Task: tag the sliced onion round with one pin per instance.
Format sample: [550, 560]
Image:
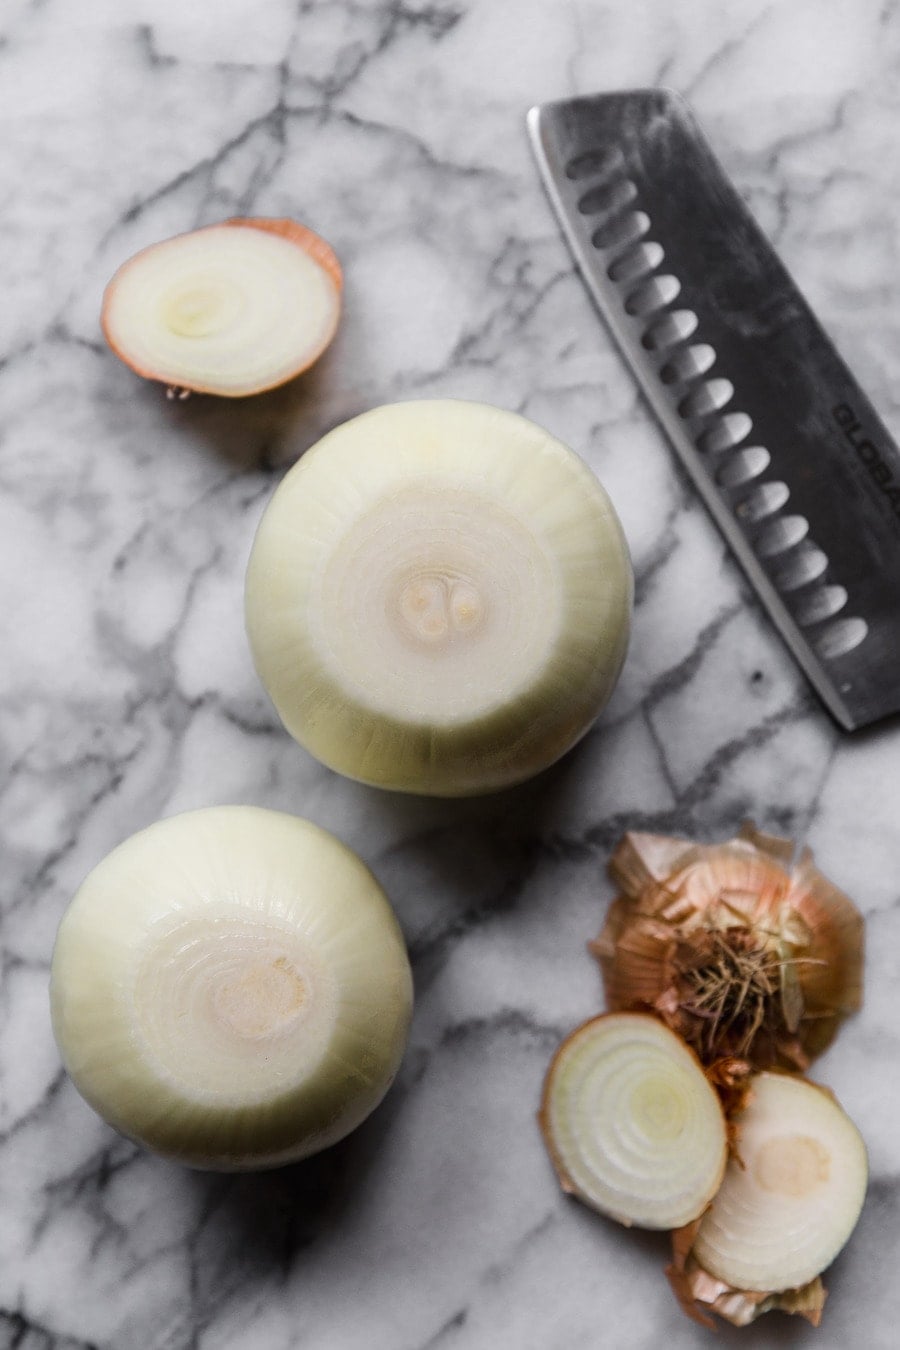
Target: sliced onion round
[633, 1127]
[230, 309]
[786, 1209]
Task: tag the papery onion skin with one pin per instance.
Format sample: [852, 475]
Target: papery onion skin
[701, 1294]
[688, 914]
[231, 989]
[639, 1117]
[125, 339]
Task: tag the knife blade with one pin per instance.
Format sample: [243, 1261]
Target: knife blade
[785, 449]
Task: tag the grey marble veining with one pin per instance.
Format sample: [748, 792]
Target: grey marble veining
[397, 130]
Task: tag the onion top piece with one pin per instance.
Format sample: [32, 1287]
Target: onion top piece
[740, 949]
[633, 1127]
[230, 988]
[231, 309]
[438, 598]
[791, 1199]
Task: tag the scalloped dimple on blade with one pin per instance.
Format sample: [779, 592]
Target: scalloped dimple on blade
[785, 449]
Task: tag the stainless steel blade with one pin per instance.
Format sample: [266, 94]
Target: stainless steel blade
[784, 447]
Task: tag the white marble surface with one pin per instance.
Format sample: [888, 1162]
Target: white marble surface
[396, 129]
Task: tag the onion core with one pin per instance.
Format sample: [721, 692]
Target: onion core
[741, 951]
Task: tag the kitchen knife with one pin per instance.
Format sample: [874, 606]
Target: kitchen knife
[785, 449]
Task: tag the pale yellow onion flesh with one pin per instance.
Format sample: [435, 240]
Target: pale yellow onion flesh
[230, 987]
[438, 598]
[230, 309]
[633, 1127]
[790, 1201]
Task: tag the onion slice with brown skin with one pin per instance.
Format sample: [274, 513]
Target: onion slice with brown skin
[741, 951]
[633, 1127]
[787, 1205]
[231, 309]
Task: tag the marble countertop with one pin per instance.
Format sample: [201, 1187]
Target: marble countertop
[396, 129]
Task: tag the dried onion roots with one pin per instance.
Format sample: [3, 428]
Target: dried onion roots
[740, 952]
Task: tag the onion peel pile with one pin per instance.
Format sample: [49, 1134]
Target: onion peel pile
[231, 309]
[230, 988]
[751, 961]
[740, 952]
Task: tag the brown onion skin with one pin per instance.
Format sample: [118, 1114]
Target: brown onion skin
[673, 893]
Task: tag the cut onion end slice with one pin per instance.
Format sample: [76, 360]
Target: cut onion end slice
[789, 1203]
[230, 309]
[631, 1123]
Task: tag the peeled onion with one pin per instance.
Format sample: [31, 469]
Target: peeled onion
[438, 598]
[230, 988]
